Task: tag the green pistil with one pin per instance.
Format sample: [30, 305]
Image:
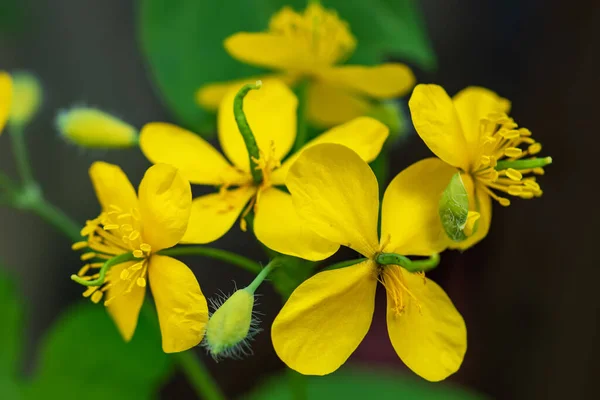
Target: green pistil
[244, 128]
[523, 164]
[407, 263]
[121, 258]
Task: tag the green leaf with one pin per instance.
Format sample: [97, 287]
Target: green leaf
[11, 335]
[454, 208]
[353, 383]
[83, 356]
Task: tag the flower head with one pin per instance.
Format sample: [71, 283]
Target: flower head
[472, 133]
[336, 194]
[133, 228]
[5, 98]
[26, 97]
[309, 45]
[271, 112]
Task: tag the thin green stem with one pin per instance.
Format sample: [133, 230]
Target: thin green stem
[198, 375]
[121, 258]
[55, 217]
[19, 148]
[244, 128]
[263, 274]
[523, 164]
[343, 264]
[407, 263]
[302, 132]
[217, 254]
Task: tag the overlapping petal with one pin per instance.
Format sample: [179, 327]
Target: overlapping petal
[330, 105]
[5, 98]
[112, 186]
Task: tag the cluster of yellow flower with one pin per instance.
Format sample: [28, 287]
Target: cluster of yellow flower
[306, 204]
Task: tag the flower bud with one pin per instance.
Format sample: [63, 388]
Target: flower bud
[90, 127]
[26, 98]
[459, 223]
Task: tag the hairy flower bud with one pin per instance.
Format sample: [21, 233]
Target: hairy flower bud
[26, 98]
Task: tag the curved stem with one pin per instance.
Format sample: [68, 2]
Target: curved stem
[54, 216]
[198, 375]
[244, 128]
[121, 258]
[263, 274]
[21, 155]
[407, 263]
[217, 254]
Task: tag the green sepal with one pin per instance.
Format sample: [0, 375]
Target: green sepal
[454, 209]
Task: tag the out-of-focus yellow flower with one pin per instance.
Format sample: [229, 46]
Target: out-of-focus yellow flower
[26, 98]
[271, 113]
[471, 133]
[335, 193]
[5, 98]
[310, 45]
[154, 219]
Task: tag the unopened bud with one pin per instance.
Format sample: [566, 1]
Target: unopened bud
[26, 98]
[90, 127]
[459, 223]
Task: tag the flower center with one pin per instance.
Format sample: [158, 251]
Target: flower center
[317, 30]
[112, 233]
[501, 143]
[392, 279]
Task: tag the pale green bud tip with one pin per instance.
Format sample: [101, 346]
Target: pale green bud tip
[459, 223]
[26, 97]
[232, 326]
[90, 127]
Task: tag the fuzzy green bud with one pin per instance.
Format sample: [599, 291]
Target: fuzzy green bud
[459, 223]
[26, 98]
[90, 127]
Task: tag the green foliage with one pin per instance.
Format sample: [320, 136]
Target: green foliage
[454, 208]
[183, 42]
[352, 383]
[11, 344]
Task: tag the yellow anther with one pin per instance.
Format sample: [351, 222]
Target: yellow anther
[535, 148]
[124, 274]
[141, 282]
[111, 227]
[145, 247]
[514, 174]
[472, 218]
[513, 152]
[88, 256]
[504, 201]
[526, 195]
[97, 296]
[515, 190]
[134, 235]
[531, 184]
[137, 267]
[79, 245]
[484, 160]
[509, 134]
[115, 208]
[524, 132]
[88, 292]
[539, 171]
[127, 227]
[83, 270]
[124, 216]
[138, 254]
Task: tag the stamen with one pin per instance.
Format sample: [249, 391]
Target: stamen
[513, 174]
[79, 245]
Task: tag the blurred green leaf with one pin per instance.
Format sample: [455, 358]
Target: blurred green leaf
[292, 273]
[352, 383]
[182, 41]
[11, 336]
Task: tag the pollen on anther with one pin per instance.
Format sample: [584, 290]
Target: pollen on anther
[124, 274]
[141, 282]
[145, 247]
[534, 148]
[79, 245]
[513, 152]
[111, 227]
[87, 256]
[134, 235]
[97, 296]
[138, 254]
[504, 201]
[514, 174]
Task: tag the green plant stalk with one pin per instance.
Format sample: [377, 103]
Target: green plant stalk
[19, 148]
[217, 254]
[55, 217]
[302, 131]
[407, 263]
[523, 164]
[262, 275]
[244, 128]
[198, 375]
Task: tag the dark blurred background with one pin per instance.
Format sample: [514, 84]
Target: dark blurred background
[528, 292]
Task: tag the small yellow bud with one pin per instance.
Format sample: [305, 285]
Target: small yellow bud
[26, 98]
[231, 326]
[89, 127]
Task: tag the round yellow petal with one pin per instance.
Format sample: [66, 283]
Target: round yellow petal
[336, 194]
[436, 121]
[382, 81]
[214, 214]
[196, 159]
[278, 227]
[271, 114]
[123, 306]
[429, 334]
[181, 306]
[329, 105]
[410, 222]
[112, 186]
[364, 135]
[165, 204]
[5, 98]
[325, 319]
[481, 202]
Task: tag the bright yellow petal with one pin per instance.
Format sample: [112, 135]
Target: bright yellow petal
[325, 319]
[181, 306]
[483, 205]
[336, 194]
[195, 158]
[382, 81]
[213, 214]
[436, 121]
[278, 227]
[330, 105]
[472, 104]
[112, 186]
[428, 334]
[124, 307]
[271, 114]
[410, 222]
[165, 204]
[5, 98]
[364, 135]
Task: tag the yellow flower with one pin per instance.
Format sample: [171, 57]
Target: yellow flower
[309, 45]
[326, 317]
[271, 113]
[153, 220]
[471, 133]
[5, 98]
[26, 97]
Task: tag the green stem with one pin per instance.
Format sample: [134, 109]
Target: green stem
[198, 375]
[301, 135]
[121, 258]
[523, 164]
[343, 264]
[244, 128]
[19, 148]
[407, 263]
[54, 216]
[263, 274]
[217, 254]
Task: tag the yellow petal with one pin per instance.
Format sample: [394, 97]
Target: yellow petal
[364, 135]
[123, 306]
[382, 81]
[278, 227]
[329, 105]
[336, 194]
[436, 121]
[410, 222]
[325, 319]
[5, 98]
[195, 158]
[213, 214]
[271, 114]
[481, 202]
[165, 204]
[181, 306]
[472, 104]
[429, 334]
[112, 186]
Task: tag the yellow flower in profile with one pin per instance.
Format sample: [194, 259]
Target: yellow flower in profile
[271, 113]
[326, 317]
[309, 46]
[471, 133]
[154, 219]
[5, 98]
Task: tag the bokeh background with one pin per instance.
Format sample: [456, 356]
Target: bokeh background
[528, 292]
